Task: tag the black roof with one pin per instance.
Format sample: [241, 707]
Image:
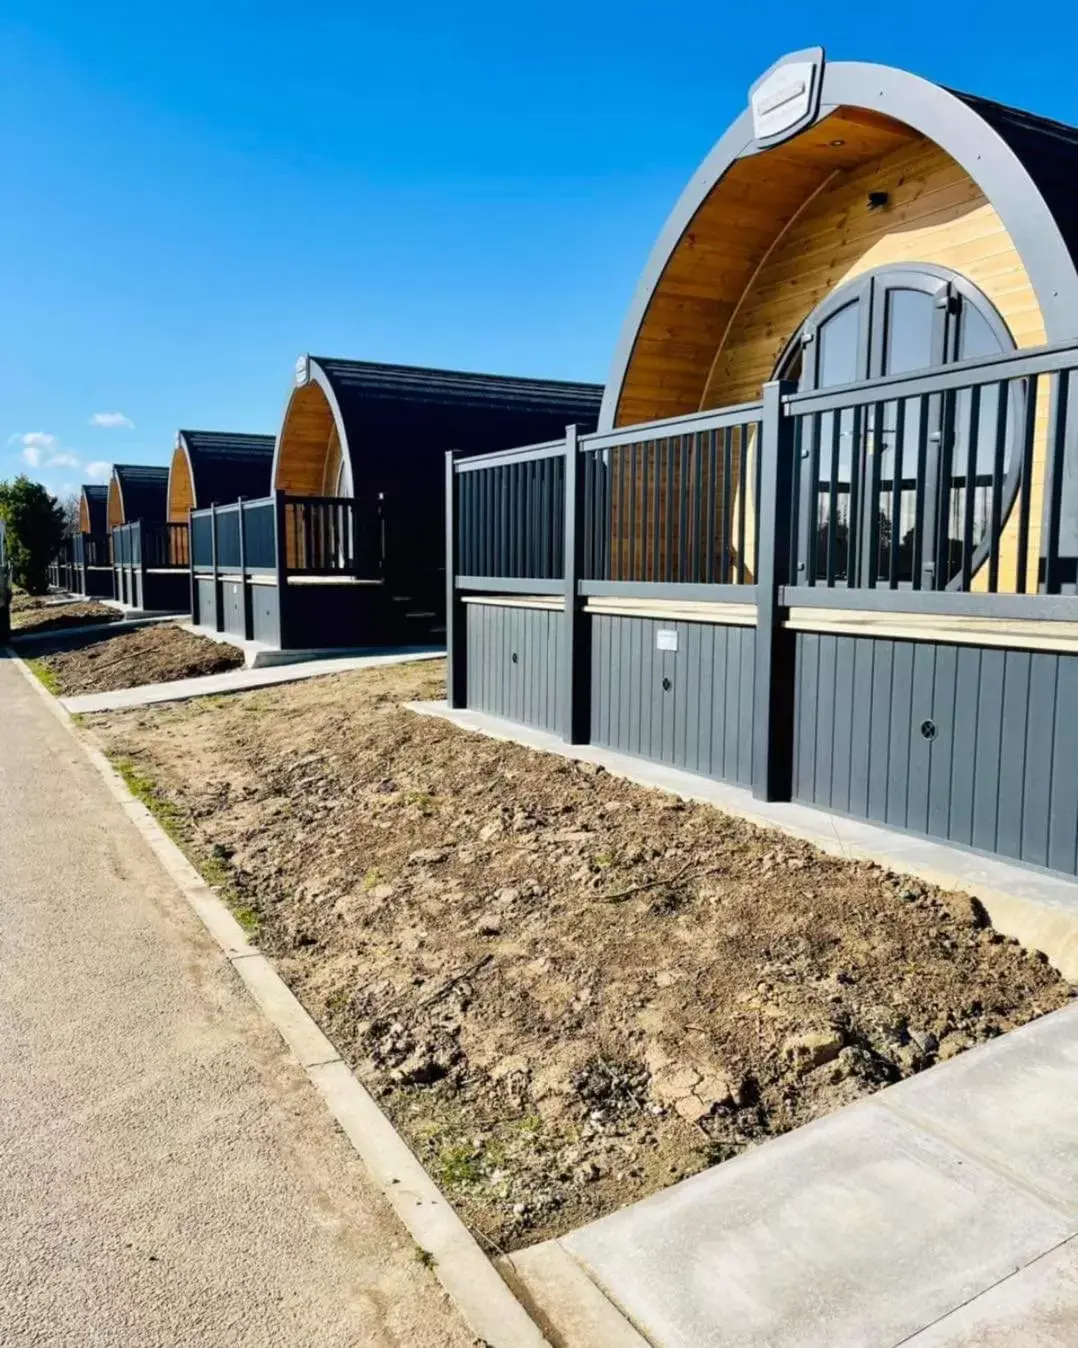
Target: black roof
[369, 381]
[97, 505]
[226, 466]
[398, 418]
[1048, 151]
[144, 491]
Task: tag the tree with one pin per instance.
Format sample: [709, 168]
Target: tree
[35, 531]
[70, 506]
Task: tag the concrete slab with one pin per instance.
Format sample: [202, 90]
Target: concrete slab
[1037, 1308]
[233, 681]
[1035, 907]
[1014, 1103]
[257, 655]
[131, 612]
[858, 1229]
[20, 638]
[564, 1300]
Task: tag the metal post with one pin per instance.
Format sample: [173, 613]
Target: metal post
[141, 563]
[244, 589]
[280, 552]
[772, 766]
[456, 628]
[575, 665]
[1062, 449]
[213, 559]
[195, 616]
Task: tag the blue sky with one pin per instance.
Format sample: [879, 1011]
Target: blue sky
[196, 193]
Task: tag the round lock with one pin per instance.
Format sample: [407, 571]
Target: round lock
[667, 685]
[515, 658]
[928, 729]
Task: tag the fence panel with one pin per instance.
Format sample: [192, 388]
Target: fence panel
[202, 539]
[228, 538]
[676, 504]
[511, 516]
[334, 536]
[260, 547]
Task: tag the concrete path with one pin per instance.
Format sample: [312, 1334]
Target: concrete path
[170, 1178]
[235, 681]
[1036, 908]
[942, 1213]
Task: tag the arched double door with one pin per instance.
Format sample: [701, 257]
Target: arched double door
[904, 492]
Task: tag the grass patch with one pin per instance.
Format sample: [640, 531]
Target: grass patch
[214, 869]
[458, 1165]
[372, 878]
[144, 790]
[424, 1257]
[44, 675]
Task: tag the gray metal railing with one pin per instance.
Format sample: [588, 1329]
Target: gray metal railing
[290, 535]
[153, 547]
[926, 481]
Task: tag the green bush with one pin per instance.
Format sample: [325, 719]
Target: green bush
[35, 531]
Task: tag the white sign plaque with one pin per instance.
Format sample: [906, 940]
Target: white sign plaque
[787, 98]
[666, 639]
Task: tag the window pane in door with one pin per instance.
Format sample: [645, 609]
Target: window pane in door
[837, 362]
[969, 501]
[908, 345]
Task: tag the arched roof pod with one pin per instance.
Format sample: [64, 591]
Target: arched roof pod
[93, 509]
[778, 215]
[353, 426]
[216, 468]
[137, 492]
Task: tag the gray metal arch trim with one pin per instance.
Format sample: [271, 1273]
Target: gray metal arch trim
[941, 116]
[317, 375]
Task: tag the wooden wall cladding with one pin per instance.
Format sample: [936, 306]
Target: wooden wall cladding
[84, 515]
[306, 443]
[116, 505]
[936, 214]
[723, 247]
[181, 489]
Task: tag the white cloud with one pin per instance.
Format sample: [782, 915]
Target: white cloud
[62, 460]
[99, 471]
[112, 419]
[38, 441]
[32, 455]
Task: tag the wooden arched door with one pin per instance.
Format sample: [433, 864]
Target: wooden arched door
[877, 513]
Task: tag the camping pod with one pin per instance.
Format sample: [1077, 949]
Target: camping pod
[216, 468]
[348, 551]
[824, 542]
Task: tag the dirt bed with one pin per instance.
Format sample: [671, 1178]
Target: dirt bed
[567, 990]
[31, 615]
[156, 654]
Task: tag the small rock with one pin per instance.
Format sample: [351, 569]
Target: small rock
[925, 1040]
[429, 856]
[488, 927]
[813, 1048]
[489, 831]
[952, 1045]
[665, 978]
[382, 892]
[671, 1086]
[692, 1109]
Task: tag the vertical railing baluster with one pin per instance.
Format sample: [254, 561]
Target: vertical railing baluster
[998, 460]
[897, 460]
[973, 434]
[1049, 582]
[632, 573]
[645, 497]
[725, 501]
[657, 511]
[1029, 430]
